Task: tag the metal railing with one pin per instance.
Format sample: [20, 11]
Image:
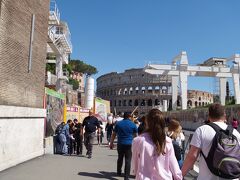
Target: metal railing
[54, 11]
[186, 145]
[66, 42]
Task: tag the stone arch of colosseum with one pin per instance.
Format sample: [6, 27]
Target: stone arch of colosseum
[135, 88]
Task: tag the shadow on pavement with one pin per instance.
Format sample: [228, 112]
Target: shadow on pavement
[100, 175]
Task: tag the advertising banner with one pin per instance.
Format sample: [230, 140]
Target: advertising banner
[73, 112]
[54, 104]
[83, 113]
[101, 109]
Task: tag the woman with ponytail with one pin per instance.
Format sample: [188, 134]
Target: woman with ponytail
[153, 154]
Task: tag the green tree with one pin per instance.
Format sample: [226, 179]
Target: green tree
[80, 66]
[51, 68]
[74, 83]
[68, 67]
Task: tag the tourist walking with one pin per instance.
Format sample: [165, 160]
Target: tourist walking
[100, 133]
[125, 131]
[218, 160]
[235, 123]
[57, 141]
[153, 153]
[142, 126]
[78, 136]
[65, 137]
[174, 132]
[71, 143]
[109, 130]
[90, 125]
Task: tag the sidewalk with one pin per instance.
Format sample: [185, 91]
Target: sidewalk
[55, 167]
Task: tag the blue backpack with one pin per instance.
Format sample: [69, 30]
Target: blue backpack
[223, 159]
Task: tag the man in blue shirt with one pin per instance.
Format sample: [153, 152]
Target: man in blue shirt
[125, 130]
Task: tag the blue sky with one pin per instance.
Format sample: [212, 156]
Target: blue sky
[115, 35]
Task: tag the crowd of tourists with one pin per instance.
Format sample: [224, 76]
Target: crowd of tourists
[152, 145]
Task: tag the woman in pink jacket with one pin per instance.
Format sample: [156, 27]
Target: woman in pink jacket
[153, 155]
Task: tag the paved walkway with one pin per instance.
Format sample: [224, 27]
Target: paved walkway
[56, 167]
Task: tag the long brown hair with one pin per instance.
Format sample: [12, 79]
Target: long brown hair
[156, 130]
[174, 129]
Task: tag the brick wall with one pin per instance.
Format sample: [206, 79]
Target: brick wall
[18, 87]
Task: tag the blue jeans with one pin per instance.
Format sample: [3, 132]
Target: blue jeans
[63, 144]
[180, 163]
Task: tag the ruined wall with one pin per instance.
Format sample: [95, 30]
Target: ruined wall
[191, 119]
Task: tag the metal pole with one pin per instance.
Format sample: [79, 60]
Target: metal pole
[31, 43]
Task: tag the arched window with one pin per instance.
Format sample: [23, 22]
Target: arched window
[119, 103]
[189, 103]
[149, 102]
[124, 102]
[156, 89]
[164, 89]
[119, 91]
[130, 102]
[130, 90]
[150, 89]
[143, 103]
[136, 90]
[196, 104]
[115, 103]
[199, 98]
[178, 102]
[157, 102]
[136, 102]
[125, 91]
[143, 90]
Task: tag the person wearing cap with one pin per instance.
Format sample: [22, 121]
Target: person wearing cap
[125, 130]
[90, 125]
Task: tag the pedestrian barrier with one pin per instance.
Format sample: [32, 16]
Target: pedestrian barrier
[186, 145]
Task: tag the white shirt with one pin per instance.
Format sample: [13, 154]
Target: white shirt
[180, 139]
[117, 119]
[110, 119]
[202, 138]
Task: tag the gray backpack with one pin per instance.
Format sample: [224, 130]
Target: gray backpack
[223, 159]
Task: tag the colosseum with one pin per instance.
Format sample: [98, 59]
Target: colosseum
[135, 88]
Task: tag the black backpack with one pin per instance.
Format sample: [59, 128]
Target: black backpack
[223, 159]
